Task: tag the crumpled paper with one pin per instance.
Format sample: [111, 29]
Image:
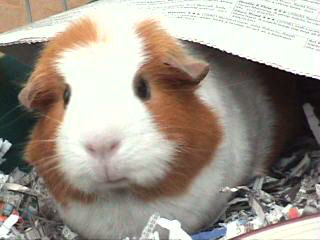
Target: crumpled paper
[5, 145]
[291, 190]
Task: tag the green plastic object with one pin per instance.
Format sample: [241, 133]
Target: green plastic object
[15, 122]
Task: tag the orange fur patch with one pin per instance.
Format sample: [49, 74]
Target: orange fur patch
[41, 153]
[178, 112]
[47, 82]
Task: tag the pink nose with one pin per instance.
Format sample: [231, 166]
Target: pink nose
[102, 151]
[102, 148]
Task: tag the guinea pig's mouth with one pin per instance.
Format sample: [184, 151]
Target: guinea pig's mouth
[107, 185]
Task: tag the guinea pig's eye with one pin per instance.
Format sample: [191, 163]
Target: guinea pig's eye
[142, 89]
[67, 94]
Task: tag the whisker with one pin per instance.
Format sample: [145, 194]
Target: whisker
[66, 140]
[9, 112]
[50, 118]
[50, 170]
[43, 162]
[13, 121]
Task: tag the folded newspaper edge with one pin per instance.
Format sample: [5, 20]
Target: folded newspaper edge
[196, 31]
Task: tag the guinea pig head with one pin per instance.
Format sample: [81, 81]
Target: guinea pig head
[118, 109]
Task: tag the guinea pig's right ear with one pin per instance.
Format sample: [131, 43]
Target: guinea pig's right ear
[39, 92]
[193, 70]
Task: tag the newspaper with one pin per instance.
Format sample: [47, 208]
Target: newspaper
[281, 33]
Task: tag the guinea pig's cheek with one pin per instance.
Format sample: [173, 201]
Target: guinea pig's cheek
[73, 161]
[151, 160]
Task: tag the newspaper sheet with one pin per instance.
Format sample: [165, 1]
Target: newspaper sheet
[281, 33]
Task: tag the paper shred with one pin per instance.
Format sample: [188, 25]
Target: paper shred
[32, 233]
[68, 234]
[234, 189]
[5, 145]
[234, 229]
[312, 120]
[150, 227]
[175, 230]
[318, 190]
[7, 225]
[3, 179]
[257, 208]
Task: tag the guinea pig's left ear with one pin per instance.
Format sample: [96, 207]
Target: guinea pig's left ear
[27, 95]
[38, 93]
[193, 70]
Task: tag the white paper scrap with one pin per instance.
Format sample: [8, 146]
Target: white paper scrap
[5, 145]
[312, 120]
[7, 225]
[175, 230]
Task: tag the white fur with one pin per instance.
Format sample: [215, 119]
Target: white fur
[103, 103]
[101, 78]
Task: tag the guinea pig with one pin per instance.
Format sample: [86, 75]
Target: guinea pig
[133, 121]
